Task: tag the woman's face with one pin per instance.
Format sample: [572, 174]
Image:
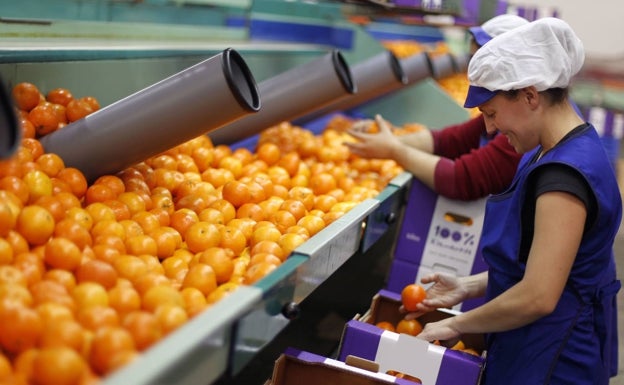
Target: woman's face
[513, 118]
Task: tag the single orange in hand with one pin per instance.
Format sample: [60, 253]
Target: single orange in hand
[412, 295]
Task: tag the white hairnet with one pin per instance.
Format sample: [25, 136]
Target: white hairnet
[545, 53]
[496, 26]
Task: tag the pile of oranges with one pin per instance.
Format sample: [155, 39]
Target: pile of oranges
[92, 274]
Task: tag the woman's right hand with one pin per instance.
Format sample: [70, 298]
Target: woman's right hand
[447, 291]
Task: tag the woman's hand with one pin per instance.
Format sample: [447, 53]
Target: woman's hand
[380, 145]
[447, 291]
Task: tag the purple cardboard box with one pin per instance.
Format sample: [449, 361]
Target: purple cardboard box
[437, 235]
[432, 364]
[297, 367]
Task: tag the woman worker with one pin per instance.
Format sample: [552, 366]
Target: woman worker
[549, 315]
[457, 161]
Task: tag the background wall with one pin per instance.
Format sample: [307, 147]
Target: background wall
[598, 24]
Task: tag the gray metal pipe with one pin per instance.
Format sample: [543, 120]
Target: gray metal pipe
[374, 77]
[181, 107]
[461, 62]
[292, 94]
[443, 66]
[10, 132]
[417, 67]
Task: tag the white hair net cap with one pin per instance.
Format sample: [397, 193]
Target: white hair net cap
[496, 26]
[545, 53]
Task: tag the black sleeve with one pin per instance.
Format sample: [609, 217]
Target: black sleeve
[554, 177]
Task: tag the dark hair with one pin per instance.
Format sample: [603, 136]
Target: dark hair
[554, 95]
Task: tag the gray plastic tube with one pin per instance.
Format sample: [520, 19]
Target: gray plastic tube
[374, 77]
[10, 133]
[292, 94]
[442, 66]
[181, 107]
[417, 67]
[461, 62]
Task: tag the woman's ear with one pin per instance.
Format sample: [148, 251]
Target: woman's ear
[531, 96]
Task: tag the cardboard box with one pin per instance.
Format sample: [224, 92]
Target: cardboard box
[437, 235]
[431, 363]
[385, 307]
[296, 367]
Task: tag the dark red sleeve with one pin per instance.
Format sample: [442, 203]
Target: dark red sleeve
[454, 141]
[479, 171]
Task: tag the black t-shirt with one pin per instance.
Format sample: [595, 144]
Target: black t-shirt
[554, 177]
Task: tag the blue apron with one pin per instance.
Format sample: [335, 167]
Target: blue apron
[577, 342]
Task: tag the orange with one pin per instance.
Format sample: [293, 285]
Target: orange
[5, 367]
[26, 96]
[98, 193]
[221, 291]
[171, 317]
[75, 179]
[88, 294]
[290, 241]
[53, 205]
[411, 295]
[129, 266]
[106, 343]
[39, 184]
[97, 271]
[61, 253]
[97, 316]
[258, 271]
[160, 295]
[67, 333]
[44, 119]
[226, 208]
[74, 231]
[92, 101]
[235, 192]
[98, 211]
[202, 235]
[303, 194]
[411, 327]
[385, 325]
[312, 223]
[124, 299]
[283, 220]
[77, 109]
[58, 366]
[221, 262]
[322, 183]
[269, 153]
[60, 96]
[167, 241]
[264, 257]
[144, 327]
[290, 162]
[64, 277]
[16, 186]
[295, 207]
[268, 246]
[270, 233]
[50, 163]
[182, 219]
[141, 244]
[8, 218]
[232, 239]
[35, 224]
[21, 327]
[194, 301]
[202, 277]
